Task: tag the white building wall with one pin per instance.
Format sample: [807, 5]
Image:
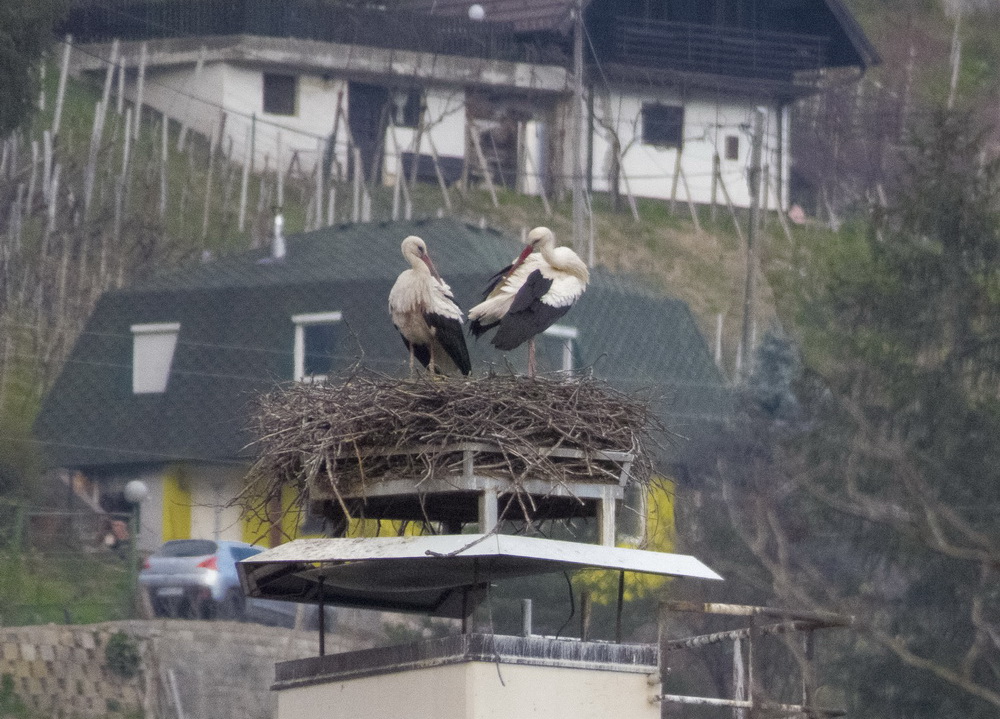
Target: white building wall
[303, 134]
[151, 512]
[213, 489]
[648, 170]
[184, 95]
[199, 100]
[478, 690]
[444, 123]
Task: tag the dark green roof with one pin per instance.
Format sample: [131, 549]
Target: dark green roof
[236, 340]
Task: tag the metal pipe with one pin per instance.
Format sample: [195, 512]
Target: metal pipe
[322, 620]
[703, 639]
[743, 610]
[525, 617]
[773, 707]
[621, 602]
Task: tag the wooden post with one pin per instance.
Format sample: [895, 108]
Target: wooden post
[716, 174]
[676, 178]
[331, 205]
[212, 145]
[718, 340]
[690, 201]
[33, 177]
[732, 210]
[198, 67]
[53, 197]
[46, 164]
[488, 511]
[110, 73]
[483, 164]
[577, 128]
[782, 220]
[91, 168]
[140, 88]
[244, 183]
[398, 184]
[357, 182]
[120, 99]
[163, 167]
[318, 186]
[279, 173]
[61, 91]
[750, 290]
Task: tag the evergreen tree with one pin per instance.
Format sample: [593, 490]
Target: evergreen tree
[879, 501]
[25, 33]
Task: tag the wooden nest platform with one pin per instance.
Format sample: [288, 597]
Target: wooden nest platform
[452, 451]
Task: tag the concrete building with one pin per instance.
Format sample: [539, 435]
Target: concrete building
[668, 89]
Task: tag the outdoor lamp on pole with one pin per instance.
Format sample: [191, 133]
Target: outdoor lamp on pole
[135, 492]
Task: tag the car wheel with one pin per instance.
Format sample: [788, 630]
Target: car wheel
[161, 608]
[233, 607]
[205, 609]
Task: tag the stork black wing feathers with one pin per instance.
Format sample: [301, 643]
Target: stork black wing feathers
[421, 352]
[528, 315]
[495, 280]
[448, 332]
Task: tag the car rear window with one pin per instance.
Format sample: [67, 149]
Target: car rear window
[187, 548]
[241, 553]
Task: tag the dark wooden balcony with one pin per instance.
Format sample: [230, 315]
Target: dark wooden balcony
[102, 20]
[713, 50]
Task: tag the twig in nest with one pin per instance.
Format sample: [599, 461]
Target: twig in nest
[367, 427]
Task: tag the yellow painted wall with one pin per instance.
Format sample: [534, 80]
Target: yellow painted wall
[660, 536]
[176, 505]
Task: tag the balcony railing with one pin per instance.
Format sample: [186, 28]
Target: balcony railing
[716, 50]
[102, 20]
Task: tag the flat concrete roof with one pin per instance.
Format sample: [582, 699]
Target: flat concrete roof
[443, 575]
[532, 650]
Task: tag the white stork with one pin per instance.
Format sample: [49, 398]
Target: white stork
[525, 298]
[424, 311]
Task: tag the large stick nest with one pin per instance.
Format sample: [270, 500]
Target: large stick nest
[343, 435]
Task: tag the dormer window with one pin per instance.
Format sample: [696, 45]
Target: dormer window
[153, 348]
[557, 347]
[317, 335]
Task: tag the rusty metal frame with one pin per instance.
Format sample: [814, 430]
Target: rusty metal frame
[745, 704]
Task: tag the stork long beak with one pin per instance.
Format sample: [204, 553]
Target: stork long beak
[520, 259]
[431, 267]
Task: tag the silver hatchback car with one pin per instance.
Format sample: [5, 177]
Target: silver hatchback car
[197, 579]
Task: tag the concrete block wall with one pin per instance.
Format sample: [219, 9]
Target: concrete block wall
[193, 669]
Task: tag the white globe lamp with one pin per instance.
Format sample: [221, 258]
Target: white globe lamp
[476, 12]
[136, 491]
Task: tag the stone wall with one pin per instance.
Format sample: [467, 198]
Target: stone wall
[186, 669]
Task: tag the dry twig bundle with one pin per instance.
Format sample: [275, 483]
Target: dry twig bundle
[342, 436]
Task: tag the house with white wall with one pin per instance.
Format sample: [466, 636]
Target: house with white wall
[162, 382]
[668, 89]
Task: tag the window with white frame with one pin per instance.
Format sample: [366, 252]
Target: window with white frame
[557, 349]
[317, 335]
[153, 347]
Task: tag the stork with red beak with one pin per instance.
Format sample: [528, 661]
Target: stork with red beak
[524, 299]
[423, 309]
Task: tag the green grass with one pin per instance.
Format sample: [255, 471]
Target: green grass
[62, 585]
